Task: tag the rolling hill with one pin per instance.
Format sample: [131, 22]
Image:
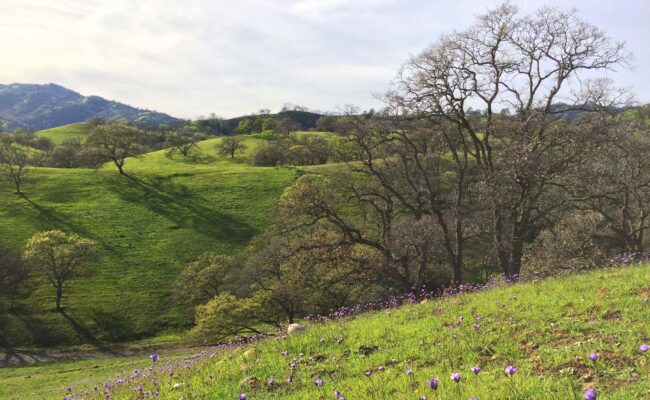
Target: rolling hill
[529, 340]
[148, 226]
[60, 134]
[37, 107]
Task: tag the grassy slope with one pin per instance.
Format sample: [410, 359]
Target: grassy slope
[147, 227]
[61, 133]
[546, 329]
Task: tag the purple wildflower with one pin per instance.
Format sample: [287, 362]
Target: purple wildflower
[319, 382]
[242, 396]
[455, 377]
[433, 383]
[409, 372]
[271, 382]
[644, 347]
[590, 394]
[593, 357]
[289, 378]
[154, 357]
[510, 370]
[476, 370]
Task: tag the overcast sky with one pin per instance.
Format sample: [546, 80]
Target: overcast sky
[195, 57]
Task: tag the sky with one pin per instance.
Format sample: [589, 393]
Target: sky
[232, 57]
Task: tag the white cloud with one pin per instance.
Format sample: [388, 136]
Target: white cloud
[232, 57]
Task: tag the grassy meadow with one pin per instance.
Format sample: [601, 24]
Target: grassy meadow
[62, 133]
[546, 329]
[147, 226]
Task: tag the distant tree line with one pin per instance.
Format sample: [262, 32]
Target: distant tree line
[436, 193]
[287, 120]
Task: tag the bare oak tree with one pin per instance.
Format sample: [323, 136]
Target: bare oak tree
[528, 63]
[230, 145]
[14, 160]
[614, 182]
[116, 141]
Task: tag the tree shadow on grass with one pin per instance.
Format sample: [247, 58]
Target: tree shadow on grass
[11, 356]
[183, 207]
[52, 219]
[86, 334]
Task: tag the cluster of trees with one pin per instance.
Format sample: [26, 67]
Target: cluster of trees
[285, 149]
[290, 118]
[53, 256]
[439, 193]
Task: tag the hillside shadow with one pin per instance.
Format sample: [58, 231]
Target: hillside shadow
[53, 219]
[183, 207]
[10, 355]
[86, 334]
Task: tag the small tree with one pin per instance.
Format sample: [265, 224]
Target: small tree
[14, 160]
[230, 145]
[116, 141]
[65, 155]
[226, 316]
[179, 143]
[59, 257]
[203, 279]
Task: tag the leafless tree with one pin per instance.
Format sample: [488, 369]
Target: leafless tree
[527, 63]
[116, 141]
[14, 160]
[230, 145]
[614, 182]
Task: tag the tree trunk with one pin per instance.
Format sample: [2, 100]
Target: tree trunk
[17, 183]
[59, 295]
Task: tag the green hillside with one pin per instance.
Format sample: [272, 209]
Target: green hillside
[166, 213]
[546, 329]
[62, 133]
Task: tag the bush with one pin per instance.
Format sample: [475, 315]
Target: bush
[572, 243]
[268, 155]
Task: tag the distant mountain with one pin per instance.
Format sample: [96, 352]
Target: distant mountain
[35, 107]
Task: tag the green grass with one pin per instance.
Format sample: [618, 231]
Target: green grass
[62, 133]
[147, 226]
[546, 329]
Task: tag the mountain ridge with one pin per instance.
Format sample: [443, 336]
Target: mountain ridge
[41, 106]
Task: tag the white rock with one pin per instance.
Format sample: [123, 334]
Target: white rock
[295, 328]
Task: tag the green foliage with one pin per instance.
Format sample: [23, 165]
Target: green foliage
[203, 279]
[226, 316]
[59, 257]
